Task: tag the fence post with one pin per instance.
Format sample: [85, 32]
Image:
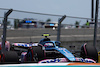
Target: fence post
[59, 27]
[5, 28]
[96, 21]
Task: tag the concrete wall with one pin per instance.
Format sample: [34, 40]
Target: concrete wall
[69, 37]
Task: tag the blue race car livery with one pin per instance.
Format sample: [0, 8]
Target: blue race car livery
[55, 46]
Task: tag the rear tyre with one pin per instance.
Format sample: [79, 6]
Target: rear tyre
[88, 51]
[10, 56]
[39, 53]
[92, 52]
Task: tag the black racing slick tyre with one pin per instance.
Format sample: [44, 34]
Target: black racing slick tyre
[39, 53]
[88, 51]
[35, 54]
[10, 57]
[92, 52]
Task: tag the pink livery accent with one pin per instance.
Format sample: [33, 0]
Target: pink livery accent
[60, 60]
[85, 48]
[23, 56]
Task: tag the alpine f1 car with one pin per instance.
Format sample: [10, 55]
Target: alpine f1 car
[55, 53]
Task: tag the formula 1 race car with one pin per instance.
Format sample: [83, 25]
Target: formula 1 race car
[50, 52]
[53, 51]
